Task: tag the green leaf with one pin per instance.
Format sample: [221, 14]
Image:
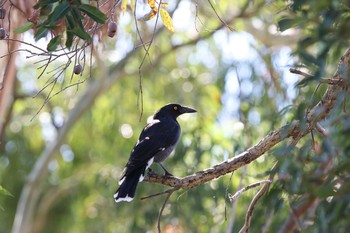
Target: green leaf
[5, 192]
[70, 21]
[77, 17]
[24, 27]
[285, 23]
[308, 57]
[93, 13]
[54, 42]
[69, 40]
[59, 12]
[81, 34]
[305, 81]
[42, 3]
[40, 33]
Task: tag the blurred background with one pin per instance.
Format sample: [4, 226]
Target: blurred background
[66, 137]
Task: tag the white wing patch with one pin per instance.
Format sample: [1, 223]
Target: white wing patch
[121, 181]
[149, 163]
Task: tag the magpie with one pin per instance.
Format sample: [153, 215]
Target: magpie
[157, 140]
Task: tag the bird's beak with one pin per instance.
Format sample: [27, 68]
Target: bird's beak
[187, 110]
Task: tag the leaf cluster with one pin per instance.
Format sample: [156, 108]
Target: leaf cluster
[324, 24]
[65, 20]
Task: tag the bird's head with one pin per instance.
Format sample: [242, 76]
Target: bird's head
[173, 110]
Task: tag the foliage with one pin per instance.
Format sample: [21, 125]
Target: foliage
[56, 14]
[324, 23]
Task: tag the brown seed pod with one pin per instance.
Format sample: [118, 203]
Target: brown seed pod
[77, 69]
[112, 29]
[2, 33]
[2, 13]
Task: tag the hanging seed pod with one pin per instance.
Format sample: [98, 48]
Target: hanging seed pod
[112, 29]
[77, 69]
[2, 13]
[2, 33]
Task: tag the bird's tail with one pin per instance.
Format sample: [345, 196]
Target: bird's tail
[128, 184]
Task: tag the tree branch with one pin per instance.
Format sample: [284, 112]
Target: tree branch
[295, 129]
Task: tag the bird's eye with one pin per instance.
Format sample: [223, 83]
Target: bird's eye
[175, 108]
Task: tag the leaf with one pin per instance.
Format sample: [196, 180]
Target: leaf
[54, 42]
[42, 3]
[285, 23]
[40, 33]
[151, 3]
[24, 27]
[93, 13]
[123, 6]
[5, 192]
[70, 21]
[69, 40]
[132, 4]
[81, 34]
[77, 17]
[58, 13]
[148, 16]
[305, 81]
[167, 21]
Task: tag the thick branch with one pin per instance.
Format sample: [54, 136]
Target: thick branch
[294, 129]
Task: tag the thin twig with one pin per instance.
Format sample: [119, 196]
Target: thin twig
[239, 192]
[251, 207]
[296, 71]
[162, 209]
[221, 20]
[255, 200]
[160, 193]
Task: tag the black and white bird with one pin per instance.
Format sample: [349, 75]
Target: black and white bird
[157, 140]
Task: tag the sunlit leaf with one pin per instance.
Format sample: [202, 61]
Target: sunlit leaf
[93, 13]
[24, 27]
[5, 192]
[148, 16]
[123, 6]
[132, 4]
[167, 21]
[151, 3]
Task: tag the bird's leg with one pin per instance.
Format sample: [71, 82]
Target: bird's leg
[150, 170]
[165, 170]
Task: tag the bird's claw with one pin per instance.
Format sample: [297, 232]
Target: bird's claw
[151, 171]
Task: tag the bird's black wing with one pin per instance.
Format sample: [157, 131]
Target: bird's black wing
[155, 137]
